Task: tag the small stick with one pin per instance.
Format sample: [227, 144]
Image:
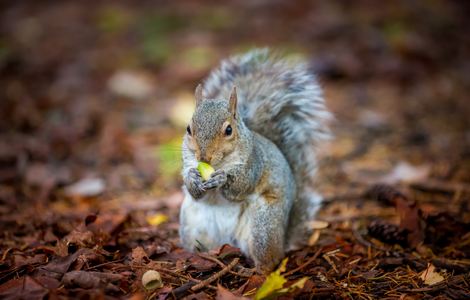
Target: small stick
[175, 274]
[213, 259]
[221, 264]
[104, 264]
[310, 260]
[181, 290]
[216, 276]
[328, 260]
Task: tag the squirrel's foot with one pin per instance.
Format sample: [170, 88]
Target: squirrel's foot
[194, 183]
[264, 269]
[217, 179]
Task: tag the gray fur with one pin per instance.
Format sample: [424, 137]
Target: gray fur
[284, 103]
[194, 184]
[264, 175]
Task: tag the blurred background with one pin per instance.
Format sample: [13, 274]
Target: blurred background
[95, 96]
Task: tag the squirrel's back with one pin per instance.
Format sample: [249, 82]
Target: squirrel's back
[283, 102]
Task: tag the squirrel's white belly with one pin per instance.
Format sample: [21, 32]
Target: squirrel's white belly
[213, 221]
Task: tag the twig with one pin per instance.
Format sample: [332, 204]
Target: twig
[106, 263]
[309, 261]
[213, 259]
[222, 265]
[180, 291]
[216, 276]
[175, 274]
[328, 260]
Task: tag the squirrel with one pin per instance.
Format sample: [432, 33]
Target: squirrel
[258, 121]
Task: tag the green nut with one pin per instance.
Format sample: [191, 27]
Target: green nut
[205, 169]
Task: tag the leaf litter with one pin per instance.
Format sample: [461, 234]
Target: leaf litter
[89, 150]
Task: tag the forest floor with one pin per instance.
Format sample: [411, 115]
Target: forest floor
[94, 101]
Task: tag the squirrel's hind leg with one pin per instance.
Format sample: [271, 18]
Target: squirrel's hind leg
[266, 235]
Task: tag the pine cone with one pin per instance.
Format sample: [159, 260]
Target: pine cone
[387, 233]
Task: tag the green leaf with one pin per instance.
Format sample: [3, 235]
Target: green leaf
[273, 282]
[273, 286]
[298, 284]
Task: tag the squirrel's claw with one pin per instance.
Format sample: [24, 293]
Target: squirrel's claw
[217, 179]
[194, 183]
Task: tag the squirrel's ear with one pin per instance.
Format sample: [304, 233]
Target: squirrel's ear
[198, 94]
[233, 102]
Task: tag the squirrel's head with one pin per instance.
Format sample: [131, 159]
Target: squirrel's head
[214, 128]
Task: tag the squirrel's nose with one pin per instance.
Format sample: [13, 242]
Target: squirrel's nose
[205, 157]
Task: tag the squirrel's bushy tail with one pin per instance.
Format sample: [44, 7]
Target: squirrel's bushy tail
[283, 102]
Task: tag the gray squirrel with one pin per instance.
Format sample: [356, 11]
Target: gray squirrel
[258, 121]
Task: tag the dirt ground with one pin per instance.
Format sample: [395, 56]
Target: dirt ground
[94, 99]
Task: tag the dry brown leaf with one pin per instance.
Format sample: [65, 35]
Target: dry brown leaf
[431, 276]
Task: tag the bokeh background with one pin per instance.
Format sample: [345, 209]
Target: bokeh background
[95, 95]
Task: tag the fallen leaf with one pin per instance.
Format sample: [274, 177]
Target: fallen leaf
[299, 284]
[139, 255]
[273, 286]
[22, 288]
[430, 275]
[59, 266]
[318, 224]
[87, 187]
[20, 260]
[47, 282]
[89, 280]
[251, 285]
[109, 223]
[135, 85]
[273, 282]
[314, 237]
[405, 172]
[157, 219]
[224, 294]
[201, 264]
[225, 251]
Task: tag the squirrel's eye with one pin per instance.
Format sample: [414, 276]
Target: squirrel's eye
[188, 130]
[228, 130]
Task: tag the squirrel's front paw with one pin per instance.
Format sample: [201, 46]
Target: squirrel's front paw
[217, 179]
[194, 183]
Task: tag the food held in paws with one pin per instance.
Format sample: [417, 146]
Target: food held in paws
[205, 169]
